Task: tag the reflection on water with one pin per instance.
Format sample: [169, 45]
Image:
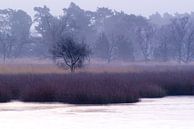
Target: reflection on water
[165, 113]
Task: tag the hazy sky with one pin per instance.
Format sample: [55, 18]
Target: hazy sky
[143, 7]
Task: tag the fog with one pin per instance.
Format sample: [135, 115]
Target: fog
[143, 7]
[96, 52]
[86, 35]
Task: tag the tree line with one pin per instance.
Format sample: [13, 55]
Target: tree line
[104, 34]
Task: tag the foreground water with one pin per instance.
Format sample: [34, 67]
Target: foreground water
[165, 113]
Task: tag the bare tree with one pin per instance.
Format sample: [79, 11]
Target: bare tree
[189, 46]
[165, 48]
[102, 47]
[20, 24]
[47, 25]
[6, 45]
[188, 42]
[14, 31]
[183, 32]
[144, 37]
[71, 52]
[112, 48]
[178, 29]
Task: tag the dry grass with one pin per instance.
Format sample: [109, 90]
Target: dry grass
[51, 68]
[106, 68]
[100, 84]
[26, 68]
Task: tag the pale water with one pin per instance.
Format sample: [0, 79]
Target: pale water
[164, 113]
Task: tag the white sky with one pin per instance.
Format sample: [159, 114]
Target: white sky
[143, 7]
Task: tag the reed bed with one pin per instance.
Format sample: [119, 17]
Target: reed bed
[98, 87]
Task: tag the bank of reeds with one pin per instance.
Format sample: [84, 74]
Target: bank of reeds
[95, 88]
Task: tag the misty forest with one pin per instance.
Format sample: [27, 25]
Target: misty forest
[109, 35]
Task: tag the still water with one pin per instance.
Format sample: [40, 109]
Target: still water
[164, 113]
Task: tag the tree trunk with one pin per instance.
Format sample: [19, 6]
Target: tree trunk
[109, 60]
[4, 58]
[72, 68]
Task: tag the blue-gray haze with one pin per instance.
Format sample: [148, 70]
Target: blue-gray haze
[143, 7]
[154, 38]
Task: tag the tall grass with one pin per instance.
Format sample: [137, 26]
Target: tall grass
[96, 88]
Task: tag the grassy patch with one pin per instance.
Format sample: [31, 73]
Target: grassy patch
[96, 88]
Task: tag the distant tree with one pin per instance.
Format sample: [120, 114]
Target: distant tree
[165, 49]
[44, 22]
[6, 45]
[14, 30]
[49, 27]
[160, 20]
[145, 37]
[182, 34]
[112, 48]
[189, 45]
[124, 48]
[103, 47]
[120, 38]
[20, 23]
[71, 52]
[100, 16]
[5, 48]
[78, 22]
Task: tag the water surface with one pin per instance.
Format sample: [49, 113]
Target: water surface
[164, 113]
